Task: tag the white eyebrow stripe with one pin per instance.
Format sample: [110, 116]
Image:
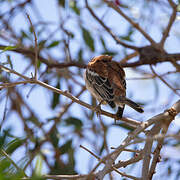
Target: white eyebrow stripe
[92, 73]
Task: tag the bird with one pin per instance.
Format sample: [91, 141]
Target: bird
[105, 79]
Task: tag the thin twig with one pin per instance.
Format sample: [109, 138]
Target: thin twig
[36, 46]
[128, 57]
[168, 85]
[108, 29]
[170, 23]
[116, 170]
[118, 10]
[5, 111]
[12, 84]
[129, 150]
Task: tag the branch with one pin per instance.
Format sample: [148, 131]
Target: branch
[147, 149]
[70, 96]
[108, 29]
[159, 59]
[12, 84]
[163, 117]
[36, 47]
[118, 10]
[55, 64]
[167, 84]
[128, 57]
[116, 170]
[170, 23]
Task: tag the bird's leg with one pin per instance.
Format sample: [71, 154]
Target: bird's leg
[97, 109]
[119, 114]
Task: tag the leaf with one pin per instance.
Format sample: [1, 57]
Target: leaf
[88, 39]
[55, 100]
[77, 123]
[128, 36]
[66, 147]
[61, 3]
[103, 43]
[34, 120]
[71, 163]
[80, 59]
[9, 61]
[54, 138]
[14, 144]
[73, 6]
[38, 165]
[178, 7]
[53, 44]
[38, 64]
[24, 35]
[102, 148]
[4, 164]
[2, 139]
[8, 48]
[41, 44]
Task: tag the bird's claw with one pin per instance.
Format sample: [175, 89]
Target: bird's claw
[97, 109]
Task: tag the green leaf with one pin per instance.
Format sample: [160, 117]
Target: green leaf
[3, 139]
[53, 44]
[9, 61]
[71, 163]
[66, 147]
[77, 123]
[34, 120]
[88, 39]
[41, 44]
[54, 138]
[73, 6]
[61, 3]
[14, 144]
[38, 165]
[55, 100]
[128, 36]
[8, 48]
[102, 148]
[24, 35]
[178, 7]
[80, 59]
[4, 164]
[38, 63]
[103, 43]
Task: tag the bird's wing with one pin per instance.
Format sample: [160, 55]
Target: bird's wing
[101, 85]
[117, 78]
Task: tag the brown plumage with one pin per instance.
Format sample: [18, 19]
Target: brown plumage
[105, 79]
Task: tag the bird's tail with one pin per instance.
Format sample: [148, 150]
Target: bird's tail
[132, 104]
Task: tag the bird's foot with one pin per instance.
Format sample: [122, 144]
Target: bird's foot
[117, 117]
[97, 109]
